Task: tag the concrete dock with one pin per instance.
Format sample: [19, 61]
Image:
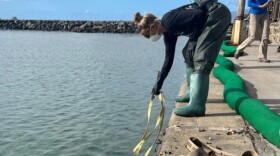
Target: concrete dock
[222, 127]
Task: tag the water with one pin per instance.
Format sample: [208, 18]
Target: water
[74, 94]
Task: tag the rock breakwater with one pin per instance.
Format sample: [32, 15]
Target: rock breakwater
[72, 26]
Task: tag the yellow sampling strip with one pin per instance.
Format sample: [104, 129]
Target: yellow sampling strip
[159, 123]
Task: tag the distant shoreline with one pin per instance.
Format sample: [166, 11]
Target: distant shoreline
[71, 26]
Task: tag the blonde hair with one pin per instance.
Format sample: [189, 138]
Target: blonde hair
[144, 21]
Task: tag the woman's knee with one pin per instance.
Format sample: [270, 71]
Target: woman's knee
[203, 66]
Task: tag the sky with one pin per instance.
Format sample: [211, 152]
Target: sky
[90, 9]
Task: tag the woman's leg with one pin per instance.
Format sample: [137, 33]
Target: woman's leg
[186, 96]
[187, 52]
[206, 52]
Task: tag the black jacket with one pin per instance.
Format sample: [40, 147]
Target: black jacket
[185, 20]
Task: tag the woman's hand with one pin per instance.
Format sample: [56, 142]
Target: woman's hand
[155, 90]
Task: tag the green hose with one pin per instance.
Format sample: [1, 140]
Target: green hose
[255, 112]
[228, 49]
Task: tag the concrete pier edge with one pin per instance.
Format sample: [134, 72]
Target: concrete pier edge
[222, 132]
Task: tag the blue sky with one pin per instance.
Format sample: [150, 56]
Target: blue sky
[90, 9]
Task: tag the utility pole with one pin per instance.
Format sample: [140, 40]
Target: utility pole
[236, 37]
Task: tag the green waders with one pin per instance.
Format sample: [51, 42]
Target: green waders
[199, 92]
[206, 52]
[186, 96]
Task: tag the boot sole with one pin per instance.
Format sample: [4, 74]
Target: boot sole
[191, 115]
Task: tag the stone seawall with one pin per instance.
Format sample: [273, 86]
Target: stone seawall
[274, 35]
[72, 26]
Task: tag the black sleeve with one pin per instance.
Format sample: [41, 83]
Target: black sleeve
[190, 6]
[170, 44]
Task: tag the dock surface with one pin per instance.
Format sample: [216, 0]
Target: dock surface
[222, 127]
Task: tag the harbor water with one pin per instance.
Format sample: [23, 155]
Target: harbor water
[80, 94]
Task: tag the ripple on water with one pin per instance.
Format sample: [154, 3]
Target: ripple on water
[77, 94]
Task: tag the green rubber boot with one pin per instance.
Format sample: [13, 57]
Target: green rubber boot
[186, 96]
[198, 96]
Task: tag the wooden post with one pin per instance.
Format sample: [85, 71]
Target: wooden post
[237, 25]
[240, 9]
